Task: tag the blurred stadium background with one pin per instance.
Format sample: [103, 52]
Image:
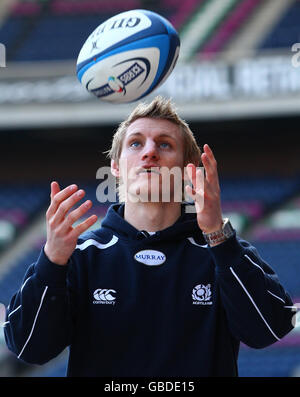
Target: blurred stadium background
[238, 85]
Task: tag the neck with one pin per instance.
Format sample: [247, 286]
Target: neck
[152, 216]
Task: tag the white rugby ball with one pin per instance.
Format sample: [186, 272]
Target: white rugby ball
[128, 56]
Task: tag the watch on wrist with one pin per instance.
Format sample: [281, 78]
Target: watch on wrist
[220, 235]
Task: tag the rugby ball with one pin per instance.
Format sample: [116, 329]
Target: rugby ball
[128, 56]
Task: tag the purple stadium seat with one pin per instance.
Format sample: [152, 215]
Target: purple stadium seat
[232, 22]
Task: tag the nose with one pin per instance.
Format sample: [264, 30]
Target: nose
[150, 151]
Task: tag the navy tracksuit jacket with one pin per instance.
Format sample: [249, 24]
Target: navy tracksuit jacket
[133, 304]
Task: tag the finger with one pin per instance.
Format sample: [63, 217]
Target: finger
[76, 214]
[196, 176]
[59, 197]
[55, 188]
[195, 193]
[197, 197]
[207, 149]
[207, 152]
[66, 206]
[191, 192]
[191, 173]
[83, 226]
[210, 165]
[201, 187]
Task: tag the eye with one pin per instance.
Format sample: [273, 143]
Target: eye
[165, 145]
[135, 144]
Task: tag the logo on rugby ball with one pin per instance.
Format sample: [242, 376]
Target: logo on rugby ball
[116, 85]
[119, 83]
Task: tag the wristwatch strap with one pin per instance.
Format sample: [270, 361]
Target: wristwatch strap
[220, 235]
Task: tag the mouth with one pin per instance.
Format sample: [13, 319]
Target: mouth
[149, 171]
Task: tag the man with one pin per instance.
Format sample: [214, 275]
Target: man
[156, 291]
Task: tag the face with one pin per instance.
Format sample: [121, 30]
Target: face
[152, 150]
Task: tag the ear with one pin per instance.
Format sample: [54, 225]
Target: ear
[114, 167]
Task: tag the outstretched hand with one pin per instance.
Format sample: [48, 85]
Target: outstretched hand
[206, 192]
[61, 235]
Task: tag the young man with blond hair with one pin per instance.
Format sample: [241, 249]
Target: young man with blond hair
[156, 291]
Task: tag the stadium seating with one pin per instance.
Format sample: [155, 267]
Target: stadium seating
[286, 31]
[212, 24]
[70, 34]
[57, 30]
[27, 197]
[53, 369]
[283, 256]
[183, 11]
[27, 8]
[229, 25]
[18, 206]
[10, 30]
[12, 281]
[65, 7]
[269, 191]
[269, 362]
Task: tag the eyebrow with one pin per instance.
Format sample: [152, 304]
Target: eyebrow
[159, 136]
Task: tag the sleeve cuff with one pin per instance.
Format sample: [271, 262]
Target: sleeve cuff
[228, 253]
[50, 273]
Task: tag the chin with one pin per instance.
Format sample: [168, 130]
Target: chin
[143, 193]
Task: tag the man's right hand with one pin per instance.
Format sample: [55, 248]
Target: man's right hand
[61, 235]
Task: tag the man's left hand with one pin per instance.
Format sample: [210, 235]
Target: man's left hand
[206, 192]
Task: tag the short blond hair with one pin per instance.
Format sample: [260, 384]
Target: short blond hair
[159, 108]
